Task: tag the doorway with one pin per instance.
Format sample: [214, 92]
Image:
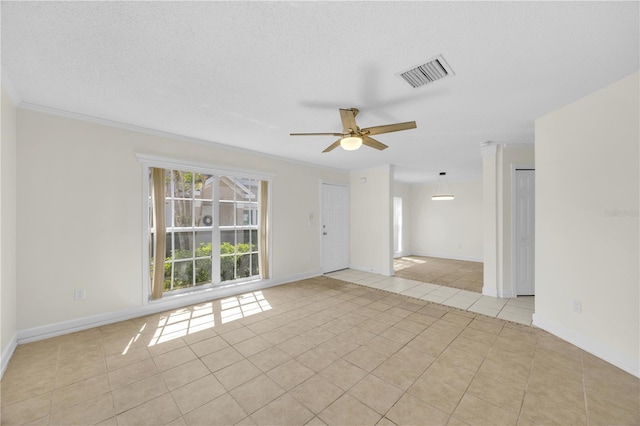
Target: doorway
[523, 240]
[335, 227]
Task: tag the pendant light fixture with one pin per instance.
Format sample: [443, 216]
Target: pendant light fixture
[443, 189]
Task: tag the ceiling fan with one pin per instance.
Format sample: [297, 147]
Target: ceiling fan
[352, 136]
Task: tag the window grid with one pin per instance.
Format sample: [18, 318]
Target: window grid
[239, 256]
[190, 263]
[193, 202]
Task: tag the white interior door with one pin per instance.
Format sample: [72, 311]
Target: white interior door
[335, 227]
[524, 242]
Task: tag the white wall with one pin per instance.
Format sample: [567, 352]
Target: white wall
[80, 214]
[587, 185]
[448, 229]
[8, 327]
[403, 190]
[371, 205]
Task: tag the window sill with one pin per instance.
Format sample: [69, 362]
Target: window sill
[206, 292]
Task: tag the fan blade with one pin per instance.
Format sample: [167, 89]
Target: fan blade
[315, 134]
[366, 140]
[333, 146]
[348, 117]
[388, 128]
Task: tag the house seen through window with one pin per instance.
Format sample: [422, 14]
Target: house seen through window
[211, 228]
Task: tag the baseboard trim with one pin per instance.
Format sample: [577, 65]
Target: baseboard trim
[8, 353]
[372, 270]
[71, 326]
[447, 256]
[493, 292]
[594, 347]
[490, 291]
[401, 254]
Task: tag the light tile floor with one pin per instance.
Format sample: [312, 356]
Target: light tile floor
[462, 274]
[518, 309]
[317, 351]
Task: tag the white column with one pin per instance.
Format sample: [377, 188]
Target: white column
[390, 270]
[490, 218]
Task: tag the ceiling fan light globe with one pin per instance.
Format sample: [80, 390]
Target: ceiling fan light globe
[351, 143]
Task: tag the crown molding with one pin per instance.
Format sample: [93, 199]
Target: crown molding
[160, 133]
[9, 87]
[172, 163]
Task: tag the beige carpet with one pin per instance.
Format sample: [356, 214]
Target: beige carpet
[460, 274]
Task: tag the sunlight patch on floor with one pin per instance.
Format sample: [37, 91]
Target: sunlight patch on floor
[234, 308]
[186, 321]
[406, 262]
[134, 339]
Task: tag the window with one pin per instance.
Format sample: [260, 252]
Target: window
[189, 229]
[214, 228]
[238, 228]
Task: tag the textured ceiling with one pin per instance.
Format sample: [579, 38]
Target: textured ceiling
[249, 73]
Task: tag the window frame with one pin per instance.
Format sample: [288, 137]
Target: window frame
[237, 227]
[149, 161]
[193, 230]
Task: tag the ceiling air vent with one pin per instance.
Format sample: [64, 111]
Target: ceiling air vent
[433, 70]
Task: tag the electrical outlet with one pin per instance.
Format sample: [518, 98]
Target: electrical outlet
[79, 294]
[576, 305]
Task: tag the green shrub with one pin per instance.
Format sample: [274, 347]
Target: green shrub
[232, 259]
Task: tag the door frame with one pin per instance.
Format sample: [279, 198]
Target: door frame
[514, 169]
[321, 218]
